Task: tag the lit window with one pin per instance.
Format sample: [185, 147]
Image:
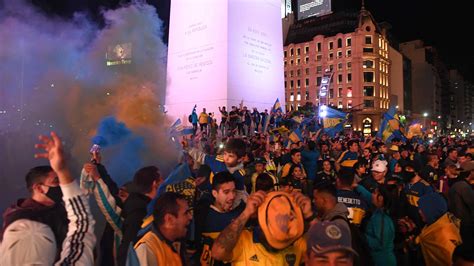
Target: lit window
[349, 104]
[292, 97]
[339, 105]
[349, 92]
[298, 96]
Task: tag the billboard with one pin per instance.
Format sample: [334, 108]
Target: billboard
[312, 8]
[119, 54]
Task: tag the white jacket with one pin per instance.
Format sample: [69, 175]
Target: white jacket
[27, 242]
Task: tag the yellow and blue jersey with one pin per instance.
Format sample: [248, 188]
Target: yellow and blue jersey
[249, 251]
[413, 192]
[355, 204]
[348, 159]
[216, 222]
[216, 163]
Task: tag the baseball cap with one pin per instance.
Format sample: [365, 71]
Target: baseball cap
[260, 160]
[394, 148]
[26, 242]
[329, 236]
[280, 219]
[379, 166]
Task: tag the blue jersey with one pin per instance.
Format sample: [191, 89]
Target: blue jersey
[216, 163]
[413, 192]
[347, 159]
[215, 223]
[355, 204]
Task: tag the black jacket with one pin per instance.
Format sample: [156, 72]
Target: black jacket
[134, 210]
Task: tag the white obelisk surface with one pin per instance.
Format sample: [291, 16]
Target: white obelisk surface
[221, 52]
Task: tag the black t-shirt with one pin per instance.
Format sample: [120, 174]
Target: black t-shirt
[224, 116]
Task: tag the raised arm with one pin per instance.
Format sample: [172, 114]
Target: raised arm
[80, 239]
[227, 239]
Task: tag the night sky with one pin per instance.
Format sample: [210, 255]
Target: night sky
[438, 23]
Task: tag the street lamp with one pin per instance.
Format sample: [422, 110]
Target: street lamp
[425, 114]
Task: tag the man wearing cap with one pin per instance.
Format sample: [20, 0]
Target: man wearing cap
[32, 240]
[328, 243]
[278, 237]
[461, 201]
[379, 170]
[394, 157]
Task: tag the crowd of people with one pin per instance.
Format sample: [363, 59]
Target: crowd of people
[245, 193]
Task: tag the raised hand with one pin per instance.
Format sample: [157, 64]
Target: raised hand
[304, 203]
[253, 202]
[91, 170]
[53, 151]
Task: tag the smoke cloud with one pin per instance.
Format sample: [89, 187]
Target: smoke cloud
[54, 76]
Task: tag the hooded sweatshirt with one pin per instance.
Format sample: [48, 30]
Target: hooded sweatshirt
[53, 216]
[440, 236]
[340, 210]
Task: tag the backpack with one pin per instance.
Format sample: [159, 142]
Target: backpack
[359, 243]
[190, 118]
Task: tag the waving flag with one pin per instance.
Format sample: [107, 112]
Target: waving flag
[333, 120]
[414, 130]
[178, 129]
[391, 126]
[296, 136]
[276, 106]
[179, 174]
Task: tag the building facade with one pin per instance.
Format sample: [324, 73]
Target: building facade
[426, 83]
[355, 50]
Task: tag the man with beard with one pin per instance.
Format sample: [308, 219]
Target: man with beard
[163, 244]
[218, 216]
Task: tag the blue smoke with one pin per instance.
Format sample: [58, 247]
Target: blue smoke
[124, 150]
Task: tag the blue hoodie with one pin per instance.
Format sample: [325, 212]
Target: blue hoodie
[433, 207]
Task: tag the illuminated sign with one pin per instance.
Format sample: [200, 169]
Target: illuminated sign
[119, 54]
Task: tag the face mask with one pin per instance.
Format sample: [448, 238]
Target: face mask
[55, 194]
[407, 176]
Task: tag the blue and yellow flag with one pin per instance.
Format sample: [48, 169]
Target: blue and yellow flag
[296, 136]
[391, 126]
[178, 129]
[414, 130]
[276, 106]
[333, 121]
